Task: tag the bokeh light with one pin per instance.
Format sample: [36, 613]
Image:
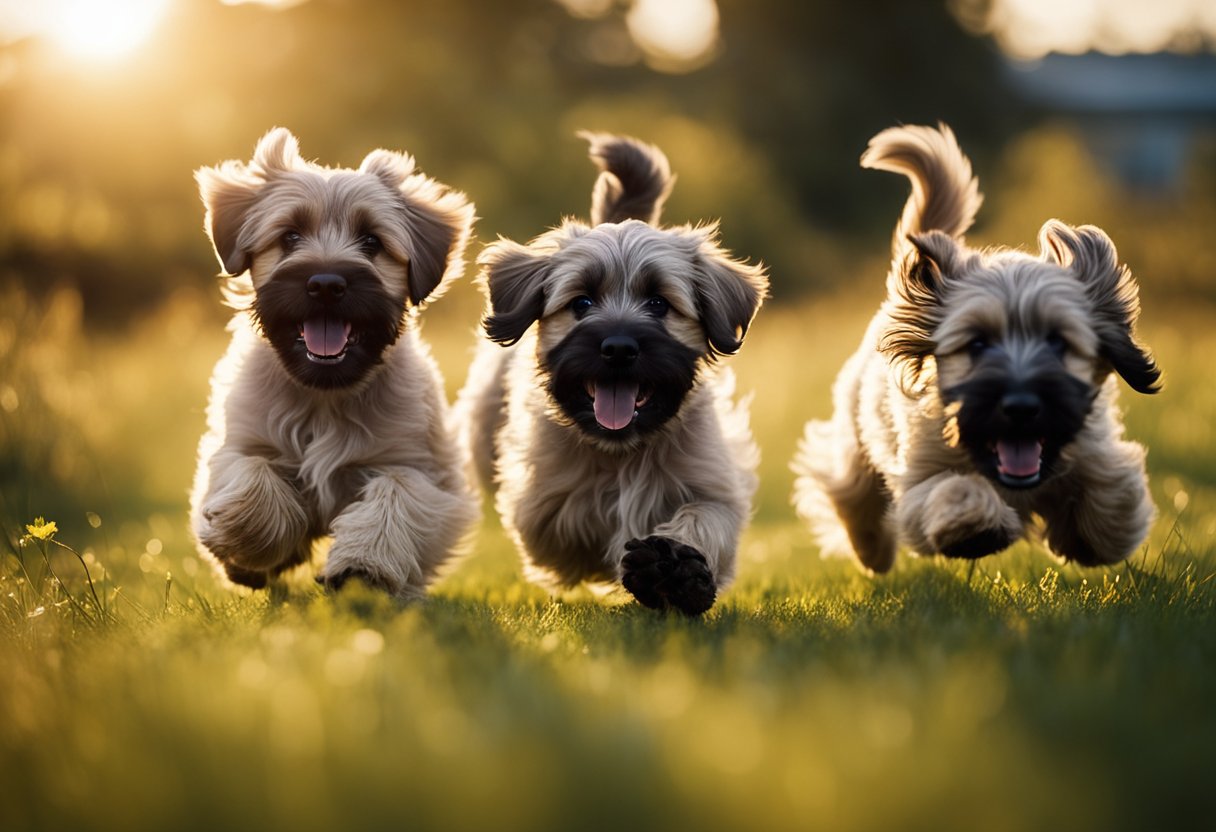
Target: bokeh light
[675, 34]
[1030, 29]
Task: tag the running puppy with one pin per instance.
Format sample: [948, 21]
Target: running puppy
[610, 431]
[327, 416]
[983, 393]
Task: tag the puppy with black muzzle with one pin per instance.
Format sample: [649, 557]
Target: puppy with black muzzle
[608, 428]
[984, 392]
[327, 414]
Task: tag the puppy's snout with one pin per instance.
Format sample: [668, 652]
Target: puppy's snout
[619, 350]
[326, 288]
[1021, 406]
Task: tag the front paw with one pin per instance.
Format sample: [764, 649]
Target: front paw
[338, 578]
[660, 573]
[249, 535]
[966, 518]
[986, 542]
[348, 563]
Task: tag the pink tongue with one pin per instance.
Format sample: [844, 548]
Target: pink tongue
[615, 404]
[326, 336]
[1019, 457]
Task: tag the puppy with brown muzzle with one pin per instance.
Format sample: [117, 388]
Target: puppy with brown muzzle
[327, 414]
[982, 401]
[608, 428]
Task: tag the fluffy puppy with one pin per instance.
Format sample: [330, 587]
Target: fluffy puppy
[984, 391]
[327, 415]
[610, 432]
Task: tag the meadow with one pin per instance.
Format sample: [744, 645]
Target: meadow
[1013, 693]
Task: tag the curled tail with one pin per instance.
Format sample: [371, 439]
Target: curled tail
[945, 196]
[634, 180]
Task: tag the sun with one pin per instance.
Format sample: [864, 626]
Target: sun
[102, 29]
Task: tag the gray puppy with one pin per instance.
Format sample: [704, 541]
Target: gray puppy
[607, 426]
[983, 394]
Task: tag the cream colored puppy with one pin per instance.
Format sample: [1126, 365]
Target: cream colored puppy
[327, 414]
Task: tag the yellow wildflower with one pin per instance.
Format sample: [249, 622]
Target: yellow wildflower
[41, 529]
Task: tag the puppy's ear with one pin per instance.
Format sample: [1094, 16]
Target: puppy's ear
[1089, 253]
[434, 224]
[228, 191]
[729, 293]
[916, 288]
[277, 152]
[514, 276]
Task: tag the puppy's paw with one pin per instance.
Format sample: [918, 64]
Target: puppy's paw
[660, 573]
[966, 518]
[339, 578]
[346, 564]
[263, 530]
[245, 577]
[987, 542]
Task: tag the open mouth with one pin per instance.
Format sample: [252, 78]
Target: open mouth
[616, 403]
[1019, 462]
[326, 337]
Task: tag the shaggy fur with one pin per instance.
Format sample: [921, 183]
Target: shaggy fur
[327, 414]
[612, 436]
[983, 393]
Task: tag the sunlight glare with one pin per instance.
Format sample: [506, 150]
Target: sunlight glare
[102, 29]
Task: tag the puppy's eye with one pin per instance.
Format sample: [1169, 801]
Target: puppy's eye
[978, 345]
[581, 305]
[657, 306]
[290, 240]
[1056, 343]
[370, 245]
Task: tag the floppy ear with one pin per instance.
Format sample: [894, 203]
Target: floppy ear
[729, 293]
[1112, 290]
[915, 288]
[514, 276]
[228, 191]
[435, 223]
[277, 152]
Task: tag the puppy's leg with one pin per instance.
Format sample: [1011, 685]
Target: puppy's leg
[837, 489]
[1104, 510]
[251, 519]
[684, 562]
[959, 515]
[396, 535]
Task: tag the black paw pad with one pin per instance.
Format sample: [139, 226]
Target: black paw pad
[661, 573]
[977, 546]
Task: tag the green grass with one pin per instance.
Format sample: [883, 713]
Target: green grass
[1015, 694]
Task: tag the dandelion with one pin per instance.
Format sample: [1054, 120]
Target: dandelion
[41, 529]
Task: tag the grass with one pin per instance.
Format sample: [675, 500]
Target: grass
[1013, 694]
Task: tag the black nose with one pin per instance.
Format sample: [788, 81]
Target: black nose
[326, 288]
[619, 350]
[1020, 406]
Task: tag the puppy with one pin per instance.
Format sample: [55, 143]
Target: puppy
[327, 416]
[608, 428]
[984, 391]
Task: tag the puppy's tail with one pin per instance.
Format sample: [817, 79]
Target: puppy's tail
[945, 196]
[634, 180]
